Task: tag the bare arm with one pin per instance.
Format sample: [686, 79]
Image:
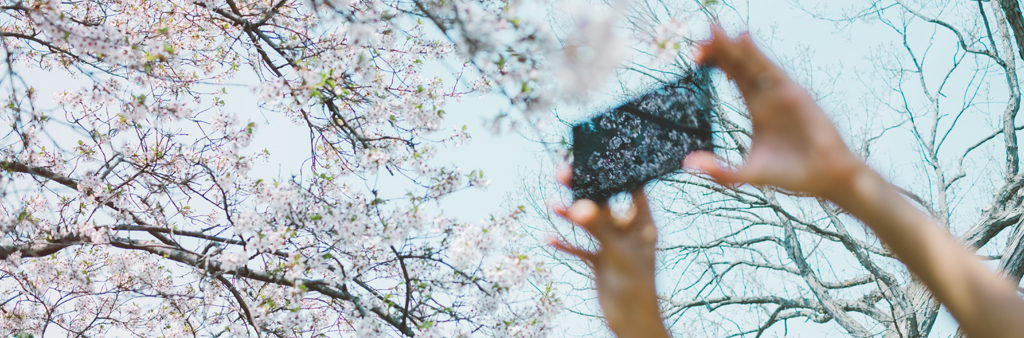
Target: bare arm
[796, 147]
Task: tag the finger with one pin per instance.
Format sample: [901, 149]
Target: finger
[752, 70]
[641, 209]
[740, 59]
[561, 211]
[582, 214]
[709, 50]
[572, 250]
[649, 233]
[596, 218]
[707, 163]
[564, 175]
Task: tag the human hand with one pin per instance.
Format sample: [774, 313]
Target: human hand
[794, 146]
[623, 265]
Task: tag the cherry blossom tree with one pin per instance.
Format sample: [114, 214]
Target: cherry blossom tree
[131, 207]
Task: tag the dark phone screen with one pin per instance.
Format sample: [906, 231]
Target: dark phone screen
[624, 148]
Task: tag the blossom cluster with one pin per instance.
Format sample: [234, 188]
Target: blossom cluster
[667, 39]
[139, 204]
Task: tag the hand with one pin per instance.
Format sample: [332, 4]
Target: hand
[623, 265]
[794, 145]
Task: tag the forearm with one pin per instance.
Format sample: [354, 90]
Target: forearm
[644, 324]
[984, 303]
[633, 311]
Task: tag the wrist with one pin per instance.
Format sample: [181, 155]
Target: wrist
[852, 183]
[638, 317]
[868, 196]
[644, 324]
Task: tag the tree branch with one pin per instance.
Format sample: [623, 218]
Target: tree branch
[795, 253]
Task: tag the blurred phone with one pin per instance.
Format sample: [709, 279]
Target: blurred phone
[624, 148]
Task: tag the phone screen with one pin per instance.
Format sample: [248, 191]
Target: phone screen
[623, 148]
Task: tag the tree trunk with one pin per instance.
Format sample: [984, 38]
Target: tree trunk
[1016, 20]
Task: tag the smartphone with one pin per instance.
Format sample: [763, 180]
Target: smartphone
[648, 137]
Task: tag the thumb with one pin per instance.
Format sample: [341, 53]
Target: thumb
[706, 162]
[710, 50]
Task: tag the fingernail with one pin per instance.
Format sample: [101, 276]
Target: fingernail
[690, 163]
[699, 160]
[552, 240]
[583, 211]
